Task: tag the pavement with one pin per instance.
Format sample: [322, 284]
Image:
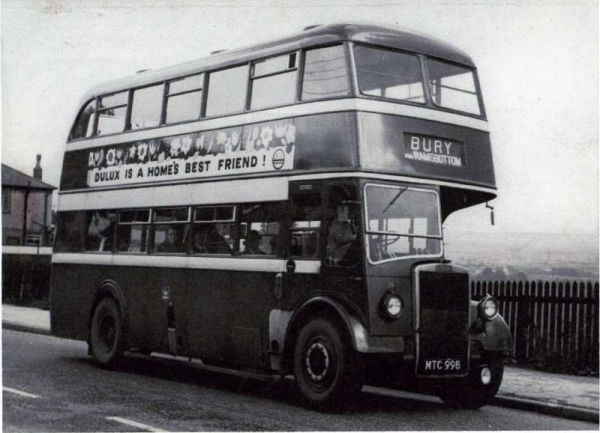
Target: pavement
[567, 396]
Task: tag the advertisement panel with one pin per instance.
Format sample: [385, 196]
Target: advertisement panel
[260, 148]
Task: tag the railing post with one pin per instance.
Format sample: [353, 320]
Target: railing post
[522, 327]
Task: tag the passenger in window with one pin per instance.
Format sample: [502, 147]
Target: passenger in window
[341, 236]
[123, 238]
[252, 244]
[275, 244]
[171, 244]
[100, 231]
[208, 240]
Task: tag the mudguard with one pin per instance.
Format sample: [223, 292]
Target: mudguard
[496, 334]
[111, 288]
[281, 322]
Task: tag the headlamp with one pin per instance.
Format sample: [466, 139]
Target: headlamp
[391, 306]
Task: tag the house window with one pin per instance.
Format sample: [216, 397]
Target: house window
[6, 201]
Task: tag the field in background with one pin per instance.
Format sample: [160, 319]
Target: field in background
[521, 256]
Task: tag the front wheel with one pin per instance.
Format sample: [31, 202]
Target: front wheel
[326, 368]
[479, 387]
[106, 333]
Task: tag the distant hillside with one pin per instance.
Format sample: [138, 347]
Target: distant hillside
[537, 255]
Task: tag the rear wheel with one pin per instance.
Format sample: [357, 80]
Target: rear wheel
[479, 388]
[106, 333]
[326, 368]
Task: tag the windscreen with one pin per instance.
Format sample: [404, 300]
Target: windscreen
[402, 222]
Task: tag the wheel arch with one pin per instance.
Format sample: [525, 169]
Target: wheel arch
[496, 336]
[109, 288]
[353, 331]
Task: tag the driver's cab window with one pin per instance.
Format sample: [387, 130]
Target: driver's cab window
[343, 226]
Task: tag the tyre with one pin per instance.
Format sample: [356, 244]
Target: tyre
[472, 392]
[106, 333]
[326, 368]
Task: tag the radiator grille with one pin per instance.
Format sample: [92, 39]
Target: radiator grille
[443, 348]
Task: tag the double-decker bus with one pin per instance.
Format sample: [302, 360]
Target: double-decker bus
[278, 210]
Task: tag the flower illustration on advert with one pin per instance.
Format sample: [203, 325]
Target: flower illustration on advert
[175, 148]
[142, 151]
[266, 136]
[280, 129]
[252, 137]
[235, 140]
[111, 158]
[290, 133]
[131, 153]
[220, 142]
[153, 147]
[290, 137]
[199, 145]
[98, 157]
[186, 145]
[210, 144]
[119, 156]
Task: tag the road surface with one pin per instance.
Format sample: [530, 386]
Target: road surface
[50, 384]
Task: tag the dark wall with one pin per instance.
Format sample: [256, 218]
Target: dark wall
[25, 279]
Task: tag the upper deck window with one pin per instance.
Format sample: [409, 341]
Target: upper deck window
[325, 73]
[146, 107]
[84, 125]
[389, 74]
[184, 98]
[453, 86]
[111, 113]
[227, 91]
[274, 81]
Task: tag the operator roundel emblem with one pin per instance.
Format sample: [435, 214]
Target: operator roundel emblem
[278, 159]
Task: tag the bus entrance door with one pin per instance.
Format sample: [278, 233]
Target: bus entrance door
[342, 270]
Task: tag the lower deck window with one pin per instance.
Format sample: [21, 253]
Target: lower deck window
[132, 231]
[260, 228]
[217, 238]
[171, 229]
[245, 229]
[132, 238]
[100, 231]
[169, 239]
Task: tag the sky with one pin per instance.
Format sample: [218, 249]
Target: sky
[537, 63]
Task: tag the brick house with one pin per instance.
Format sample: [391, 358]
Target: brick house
[26, 195]
[26, 236]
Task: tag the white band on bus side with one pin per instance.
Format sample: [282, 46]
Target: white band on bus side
[225, 263]
[250, 190]
[302, 109]
[26, 250]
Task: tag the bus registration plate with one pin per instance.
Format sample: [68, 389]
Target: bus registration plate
[442, 365]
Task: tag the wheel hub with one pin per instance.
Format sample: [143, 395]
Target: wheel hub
[107, 332]
[317, 361]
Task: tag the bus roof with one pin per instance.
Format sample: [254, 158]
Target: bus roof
[388, 36]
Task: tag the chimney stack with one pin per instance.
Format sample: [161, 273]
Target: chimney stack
[37, 170]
